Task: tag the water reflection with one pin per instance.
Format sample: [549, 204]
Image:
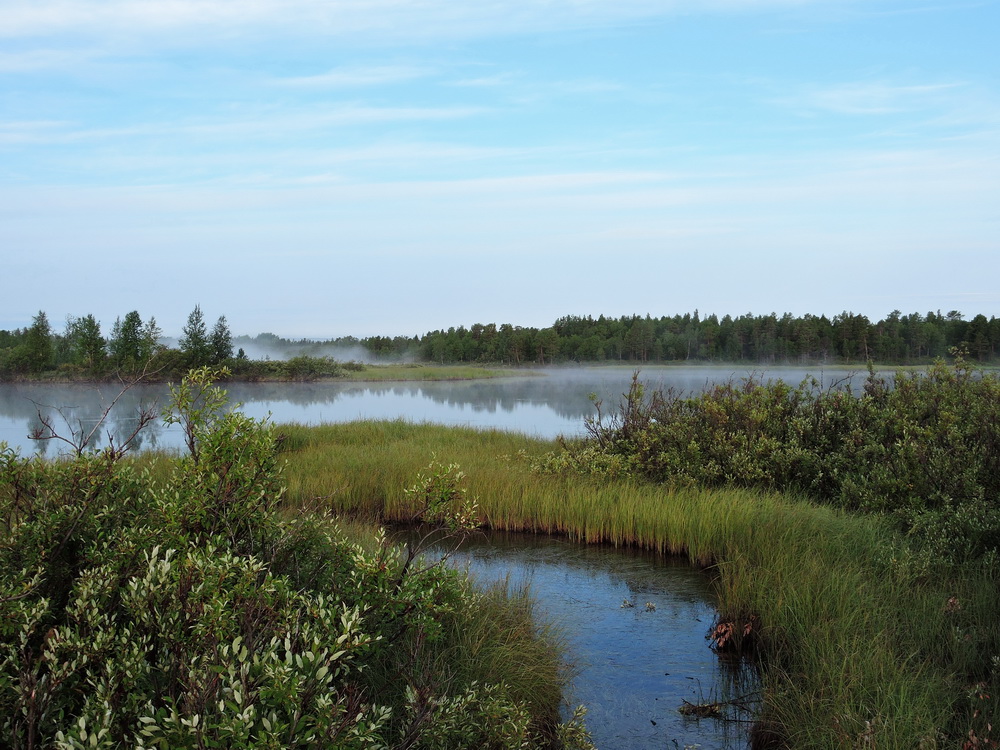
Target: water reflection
[75, 413]
[546, 405]
[635, 665]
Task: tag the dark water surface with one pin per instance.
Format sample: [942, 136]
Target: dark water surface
[635, 666]
[546, 405]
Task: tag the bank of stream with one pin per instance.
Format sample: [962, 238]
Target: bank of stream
[634, 626]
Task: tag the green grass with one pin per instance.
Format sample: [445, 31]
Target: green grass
[858, 644]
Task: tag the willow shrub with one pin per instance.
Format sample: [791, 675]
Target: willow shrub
[186, 612]
[925, 451]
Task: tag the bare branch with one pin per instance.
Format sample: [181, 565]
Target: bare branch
[79, 439]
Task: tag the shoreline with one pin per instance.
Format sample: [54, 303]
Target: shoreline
[426, 372]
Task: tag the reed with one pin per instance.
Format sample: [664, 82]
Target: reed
[859, 645]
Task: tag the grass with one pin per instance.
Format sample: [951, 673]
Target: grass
[860, 646]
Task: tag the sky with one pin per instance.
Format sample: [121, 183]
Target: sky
[324, 168]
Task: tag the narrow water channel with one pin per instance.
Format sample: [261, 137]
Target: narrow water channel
[635, 627]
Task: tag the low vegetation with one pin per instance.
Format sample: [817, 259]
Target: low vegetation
[421, 372]
[873, 619]
[171, 603]
[304, 368]
[852, 541]
[923, 451]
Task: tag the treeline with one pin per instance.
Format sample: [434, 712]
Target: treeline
[847, 337]
[134, 345]
[896, 339]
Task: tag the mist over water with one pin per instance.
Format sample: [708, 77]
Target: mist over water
[545, 404]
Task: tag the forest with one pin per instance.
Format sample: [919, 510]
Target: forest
[82, 350]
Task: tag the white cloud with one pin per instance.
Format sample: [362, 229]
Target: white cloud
[356, 77]
[875, 97]
[341, 18]
[32, 131]
[268, 124]
[43, 59]
[499, 79]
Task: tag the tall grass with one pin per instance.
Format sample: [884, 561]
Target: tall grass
[860, 646]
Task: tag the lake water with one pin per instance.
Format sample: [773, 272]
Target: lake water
[551, 403]
[635, 666]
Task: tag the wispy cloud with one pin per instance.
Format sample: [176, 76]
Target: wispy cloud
[341, 18]
[272, 124]
[348, 77]
[498, 79]
[43, 59]
[874, 97]
[32, 131]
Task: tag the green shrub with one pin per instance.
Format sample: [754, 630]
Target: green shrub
[306, 368]
[186, 612]
[925, 451]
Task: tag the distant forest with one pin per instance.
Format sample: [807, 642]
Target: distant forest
[81, 349]
[764, 339]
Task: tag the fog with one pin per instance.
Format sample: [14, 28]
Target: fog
[544, 403]
[339, 352]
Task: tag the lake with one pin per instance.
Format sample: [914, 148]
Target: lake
[543, 404]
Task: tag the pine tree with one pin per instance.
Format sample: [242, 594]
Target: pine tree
[151, 334]
[221, 341]
[195, 343]
[38, 344]
[126, 342]
[88, 345]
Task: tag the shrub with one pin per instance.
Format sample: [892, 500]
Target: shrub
[306, 368]
[925, 451]
[188, 612]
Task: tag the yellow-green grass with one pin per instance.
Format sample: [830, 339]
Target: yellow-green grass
[857, 646]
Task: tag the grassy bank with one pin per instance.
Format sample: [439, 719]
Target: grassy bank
[864, 642]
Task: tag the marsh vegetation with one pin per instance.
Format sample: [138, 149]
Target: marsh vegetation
[850, 537]
[171, 602]
[870, 606]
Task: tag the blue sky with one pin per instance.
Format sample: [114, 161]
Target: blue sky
[331, 167]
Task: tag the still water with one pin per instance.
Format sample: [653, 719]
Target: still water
[635, 666]
[551, 403]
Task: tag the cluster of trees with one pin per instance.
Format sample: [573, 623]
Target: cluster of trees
[846, 337]
[132, 346]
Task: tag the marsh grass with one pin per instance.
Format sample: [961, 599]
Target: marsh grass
[505, 641]
[859, 645]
